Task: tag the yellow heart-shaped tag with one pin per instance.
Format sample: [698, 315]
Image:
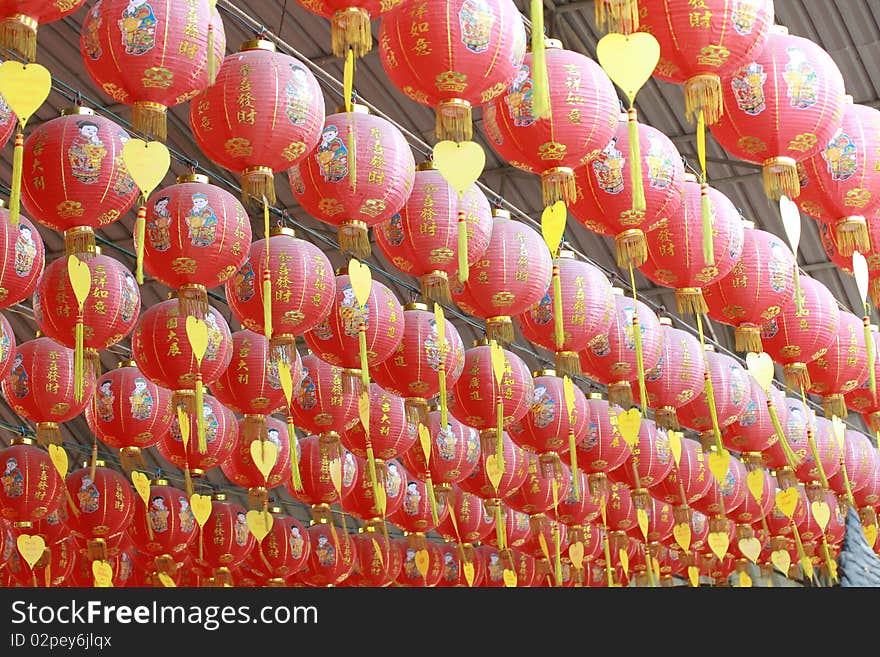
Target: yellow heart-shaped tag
[364, 410]
[576, 554]
[147, 163]
[628, 423]
[31, 548]
[201, 507]
[425, 442]
[682, 534]
[642, 516]
[860, 273]
[870, 532]
[265, 455]
[786, 501]
[336, 474]
[821, 513]
[286, 379]
[260, 523]
[423, 560]
[760, 367]
[141, 485]
[744, 580]
[59, 459]
[361, 279]
[623, 555]
[197, 332]
[509, 577]
[102, 572]
[498, 360]
[460, 163]
[183, 425]
[553, 225]
[782, 560]
[719, 463]
[675, 445]
[167, 581]
[807, 566]
[545, 550]
[755, 482]
[468, 569]
[718, 543]
[80, 278]
[751, 548]
[838, 429]
[25, 87]
[694, 576]
[791, 221]
[493, 471]
[629, 60]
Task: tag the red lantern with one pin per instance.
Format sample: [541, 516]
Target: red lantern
[516, 524]
[316, 464]
[542, 526]
[221, 438]
[468, 521]
[122, 569]
[621, 509]
[577, 509]
[225, 541]
[519, 563]
[841, 369]
[603, 448]
[860, 399]
[239, 466]
[689, 480]
[20, 20]
[282, 552]
[378, 560]
[322, 403]
[661, 521]
[587, 312]
[535, 494]
[513, 476]
[31, 484]
[612, 359]
[360, 501]
[858, 460]
[753, 510]
[40, 386]
[793, 416]
[828, 237]
[676, 258]
[164, 528]
[152, 56]
[303, 288]
[391, 434]
[754, 291]
[86, 185]
[605, 190]
[423, 239]
[455, 453]
[869, 494]
[23, 259]
[725, 497]
[455, 563]
[754, 431]
[650, 463]
[799, 335]
[411, 575]
[414, 515]
[583, 117]
[104, 501]
[511, 277]
[263, 114]
[7, 347]
[452, 55]
[51, 569]
[357, 198]
[780, 525]
[783, 106]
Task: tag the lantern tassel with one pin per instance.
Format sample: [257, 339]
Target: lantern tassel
[667, 418]
[558, 329]
[621, 16]
[568, 362]
[690, 300]
[453, 120]
[212, 64]
[558, 184]
[708, 215]
[463, 263]
[267, 276]
[806, 565]
[631, 248]
[790, 457]
[362, 352]
[19, 34]
[350, 29]
[869, 352]
[572, 459]
[140, 229]
[354, 237]
[811, 439]
[798, 295]
[500, 329]
[258, 186]
[834, 404]
[637, 334]
[830, 565]
[500, 527]
[635, 162]
[293, 446]
[435, 286]
[200, 415]
[709, 389]
[17, 166]
[849, 494]
[150, 119]
[781, 178]
[371, 466]
[702, 95]
[852, 235]
[540, 82]
[78, 360]
[747, 338]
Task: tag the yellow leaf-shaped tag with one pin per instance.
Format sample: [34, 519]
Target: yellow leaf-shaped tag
[860, 272]
[183, 425]
[682, 534]
[694, 576]
[286, 379]
[760, 367]
[807, 566]
[493, 470]
[361, 279]
[553, 225]
[336, 474]
[782, 560]
[509, 577]
[167, 581]
[440, 322]
[642, 516]
[197, 332]
[499, 361]
[623, 555]
[576, 554]
[25, 87]
[260, 523]
[786, 501]
[59, 459]
[718, 543]
[838, 428]
[755, 482]
[870, 532]
[364, 411]
[629, 60]
[201, 507]
[423, 561]
[80, 278]
[265, 455]
[719, 463]
[102, 571]
[821, 513]
[425, 442]
[141, 485]
[751, 548]
[460, 163]
[791, 221]
[468, 568]
[31, 548]
[675, 445]
[628, 423]
[744, 580]
[147, 163]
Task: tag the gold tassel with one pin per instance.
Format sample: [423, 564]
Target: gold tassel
[78, 373]
[362, 353]
[350, 29]
[667, 418]
[48, 433]
[212, 64]
[131, 459]
[500, 329]
[811, 439]
[150, 119]
[540, 82]
[192, 301]
[435, 286]
[573, 461]
[830, 566]
[188, 482]
[631, 248]
[709, 388]
[781, 178]
[620, 394]
[19, 34]
[79, 241]
[558, 184]
[834, 404]
[869, 352]
[348, 81]
[702, 94]
[453, 120]
[463, 263]
[852, 235]
[875, 291]
[796, 376]
[140, 227]
[798, 295]
[293, 446]
[568, 362]
[620, 16]
[200, 415]
[258, 187]
[790, 457]
[635, 162]
[802, 555]
[708, 215]
[690, 300]
[17, 165]
[747, 337]
[354, 237]
[558, 329]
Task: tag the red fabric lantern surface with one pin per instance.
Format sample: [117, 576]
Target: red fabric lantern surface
[621, 509]
[474, 396]
[20, 20]
[605, 192]
[378, 560]
[516, 525]
[422, 239]
[541, 525]
[794, 338]
[130, 411]
[303, 287]
[860, 399]
[414, 515]
[8, 122]
[584, 109]
[472, 522]
[391, 433]
[858, 458]
[452, 55]
[731, 388]
[675, 247]
[577, 509]
[360, 501]
[239, 466]
[678, 376]
[315, 464]
[53, 527]
[793, 417]
[335, 340]
[23, 259]
[782, 106]
[869, 494]
[519, 561]
[661, 522]
[835, 532]
[355, 199]
[757, 287]
[282, 552]
[52, 568]
[689, 480]
[753, 511]
[8, 347]
[587, 311]
[122, 570]
[31, 484]
[263, 114]
[410, 575]
[412, 371]
[841, 369]
[322, 404]
[152, 57]
[172, 525]
[726, 496]
[454, 559]
[837, 184]
[512, 276]
[40, 386]
[514, 475]
[829, 240]
[105, 503]
[225, 541]
[455, 452]
[611, 359]
[221, 438]
[535, 494]
[651, 460]
[603, 448]
[75, 180]
[753, 432]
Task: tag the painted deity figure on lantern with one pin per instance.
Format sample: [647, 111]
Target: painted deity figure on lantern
[519, 99]
[187, 517]
[141, 400]
[25, 251]
[159, 225]
[476, 20]
[745, 13]
[91, 41]
[841, 156]
[608, 168]
[104, 401]
[332, 155]
[158, 514]
[88, 496]
[202, 221]
[748, 89]
[13, 480]
[138, 27]
[801, 79]
[87, 153]
[298, 96]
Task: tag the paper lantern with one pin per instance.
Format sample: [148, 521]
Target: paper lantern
[361, 501]
[391, 433]
[221, 439]
[513, 476]
[378, 560]
[454, 560]
[516, 524]
[828, 237]
[21, 19]
[754, 510]
[455, 453]
[104, 501]
[472, 523]
[521, 563]
[317, 455]
[322, 404]
[282, 552]
[724, 497]
[603, 448]
[52, 568]
[584, 109]
[860, 398]
[535, 494]
[794, 418]
[152, 55]
[650, 462]
[75, 179]
[842, 368]
[542, 527]
[858, 459]
[411, 575]
[122, 569]
[604, 190]
[512, 276]
[869, 494]
[354, 197]
[31, 484]
[730, 391]
[452, 55]
[587, 312]
[172, 526]
[225, 540]
[753, 431]
[782, 106]
[7, 347]
[576, 509]
[415, 515]
[754, 291]
[239, 466]
[23, 259]
[689, 480]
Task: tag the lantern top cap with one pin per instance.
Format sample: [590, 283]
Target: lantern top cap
[595, 395]
[548, 43]
[848, 99]
[617, 291]
[690, 177]
[748, 223]
[778, 29]
[568, 254]
[161, 481]
[665, 321]
[281, 230]
[99, 463]
[258, 44]
[427, 165]
[415, 305]
[709, 348]
[356, 108]
[22, 440]
[219, 497]
[127, 363]
[544, 372]
[481, 342]
[192, 177]
[275, 509]
[500, 213]
[77, 110]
